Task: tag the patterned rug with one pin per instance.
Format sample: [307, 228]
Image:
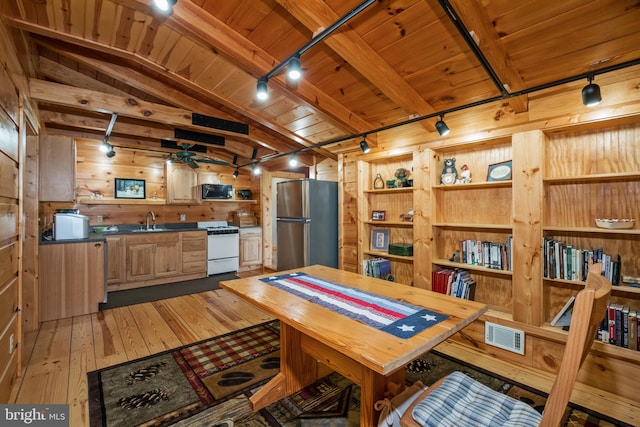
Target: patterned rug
[209, 384]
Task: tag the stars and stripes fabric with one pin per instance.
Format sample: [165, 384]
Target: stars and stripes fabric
[399, 318]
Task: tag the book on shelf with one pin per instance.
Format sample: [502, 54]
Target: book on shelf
[494, 255]
[563, 318]
[633, 330]
[379, 268]
[457, 283]
[567, 262]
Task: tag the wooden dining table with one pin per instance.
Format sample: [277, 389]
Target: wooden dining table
[372, 358]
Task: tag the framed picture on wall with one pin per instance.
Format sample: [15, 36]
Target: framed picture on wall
[379, 240]
[130, 188]
[499, 171]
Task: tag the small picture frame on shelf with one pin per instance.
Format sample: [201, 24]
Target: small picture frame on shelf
[499, 171]
[130, 188]
[380, 240]
[378, 215]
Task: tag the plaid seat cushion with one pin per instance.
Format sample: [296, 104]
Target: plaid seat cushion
[462, 401]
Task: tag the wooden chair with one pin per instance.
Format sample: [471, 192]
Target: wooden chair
[458, 400]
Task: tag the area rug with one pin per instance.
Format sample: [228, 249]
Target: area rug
[209, 383]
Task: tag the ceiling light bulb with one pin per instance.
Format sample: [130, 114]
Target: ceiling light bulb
[256, 170]
[294, 72]
[591, 94]
[442, 127]
[164, 5]
[364, 146]
[293, 162]
[104, 147]
[236, 173]
[262, 93]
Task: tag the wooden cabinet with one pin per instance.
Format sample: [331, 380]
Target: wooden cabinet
[57, 168]
[72, 280]
[116, 260]
[250, 246]
[151, 256]
[182, 184]
[194, 252]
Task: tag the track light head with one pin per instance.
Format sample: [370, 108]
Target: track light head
[110, 152]
[256, 169]
[294, 72]
[591, 94]
[442, 127]
[364, 146]
[235, 173]
[293, 161]
[262, 92]
[104, 147]
[164, 6]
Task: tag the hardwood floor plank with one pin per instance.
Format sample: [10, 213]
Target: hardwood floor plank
[134, 344]
[154, 329]
[109, 348]
[200, 327]
[182, 330]
[47, 376]
[233, 311]
[83, 360]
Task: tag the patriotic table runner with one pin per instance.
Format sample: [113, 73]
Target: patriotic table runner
[395, 317]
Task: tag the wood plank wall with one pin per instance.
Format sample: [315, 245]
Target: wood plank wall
[95, 173]
[9, 228]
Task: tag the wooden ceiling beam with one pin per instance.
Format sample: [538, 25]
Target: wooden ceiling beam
[352, 48]
[475, 19]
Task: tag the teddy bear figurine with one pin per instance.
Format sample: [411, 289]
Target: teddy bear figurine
[449, 173]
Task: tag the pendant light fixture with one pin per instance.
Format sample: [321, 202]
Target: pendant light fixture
[442, 127]
[364, 146]
[591, 93]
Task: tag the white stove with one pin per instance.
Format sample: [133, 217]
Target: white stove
[223, 247]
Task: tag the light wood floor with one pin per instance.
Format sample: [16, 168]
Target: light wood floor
[65, 350]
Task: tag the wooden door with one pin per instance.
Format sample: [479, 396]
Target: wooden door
[168, 258]
[116, 267]
[140, 259]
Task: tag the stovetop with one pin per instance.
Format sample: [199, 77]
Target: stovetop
[218, 227]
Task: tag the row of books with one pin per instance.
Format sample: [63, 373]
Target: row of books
[620, 327]
[487, 254]
[457, 283]
[563, 261]
[377, 267]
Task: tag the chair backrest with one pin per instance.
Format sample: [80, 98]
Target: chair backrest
[589, 309]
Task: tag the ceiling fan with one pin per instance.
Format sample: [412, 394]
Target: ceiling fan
[191, 158]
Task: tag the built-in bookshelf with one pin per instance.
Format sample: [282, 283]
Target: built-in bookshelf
[472, 213]
[591, 175]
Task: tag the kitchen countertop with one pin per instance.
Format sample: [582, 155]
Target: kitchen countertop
[123, 229]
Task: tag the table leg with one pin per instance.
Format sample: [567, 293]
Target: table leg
[297, 370]
[372, 389]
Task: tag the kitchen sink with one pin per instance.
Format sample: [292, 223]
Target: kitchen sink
[151, 230]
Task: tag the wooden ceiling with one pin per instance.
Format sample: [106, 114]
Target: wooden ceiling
[394, 61]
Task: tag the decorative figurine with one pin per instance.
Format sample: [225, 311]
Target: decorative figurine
[401, 175]
[378, 183]
[465, 175]
[449, 173]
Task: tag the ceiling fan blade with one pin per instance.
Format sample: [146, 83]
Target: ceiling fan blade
[192, 164]
[211, 161]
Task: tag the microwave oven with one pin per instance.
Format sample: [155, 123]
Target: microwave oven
[217, 191]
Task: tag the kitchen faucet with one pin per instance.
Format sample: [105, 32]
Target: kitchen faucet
[153, 217]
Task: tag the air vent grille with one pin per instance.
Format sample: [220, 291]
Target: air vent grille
[504, 337]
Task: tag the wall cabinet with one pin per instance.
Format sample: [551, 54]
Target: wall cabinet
[182, 184]
[57, 168]
[250, 246]
[72, 280]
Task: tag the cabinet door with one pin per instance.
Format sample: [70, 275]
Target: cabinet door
[251, 250]
[140, 258]
[167, 258]
[182, 184]
[71, 279]
[115, 260]
[57, 169]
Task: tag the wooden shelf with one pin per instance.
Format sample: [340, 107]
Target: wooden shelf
[506, 227]
[592, 230]
[473, 267]
[603, 177]
[390, 223]
[390, 190]
[86, 201]
[615, 289]
[476, 185]
[389, 256]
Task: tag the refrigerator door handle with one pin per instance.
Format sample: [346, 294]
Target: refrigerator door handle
[307, 244]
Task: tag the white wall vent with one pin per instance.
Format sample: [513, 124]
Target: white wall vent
[504, 337]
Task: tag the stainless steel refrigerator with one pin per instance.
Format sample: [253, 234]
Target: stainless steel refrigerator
[307, 223]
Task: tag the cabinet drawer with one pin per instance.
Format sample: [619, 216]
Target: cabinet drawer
[191, 245]
[195, 267]
[250, 232]
[194, 256]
